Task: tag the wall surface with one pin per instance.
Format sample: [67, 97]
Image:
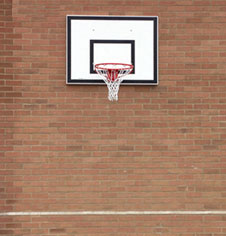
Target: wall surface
[67, 148]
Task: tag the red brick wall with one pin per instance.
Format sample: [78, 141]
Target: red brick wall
[67, 148]
[115, 225]
[6, 104]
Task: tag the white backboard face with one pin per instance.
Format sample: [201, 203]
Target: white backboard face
[112, 39]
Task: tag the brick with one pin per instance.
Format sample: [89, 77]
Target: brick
[57, 230]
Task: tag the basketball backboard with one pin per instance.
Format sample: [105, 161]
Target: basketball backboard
[112, 39]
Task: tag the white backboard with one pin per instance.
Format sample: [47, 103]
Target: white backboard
[112, 39]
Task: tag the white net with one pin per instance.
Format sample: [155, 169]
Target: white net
[112, 75]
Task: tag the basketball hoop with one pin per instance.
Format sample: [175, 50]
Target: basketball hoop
[112, 74]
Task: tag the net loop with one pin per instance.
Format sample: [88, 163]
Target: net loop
[112, 74]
